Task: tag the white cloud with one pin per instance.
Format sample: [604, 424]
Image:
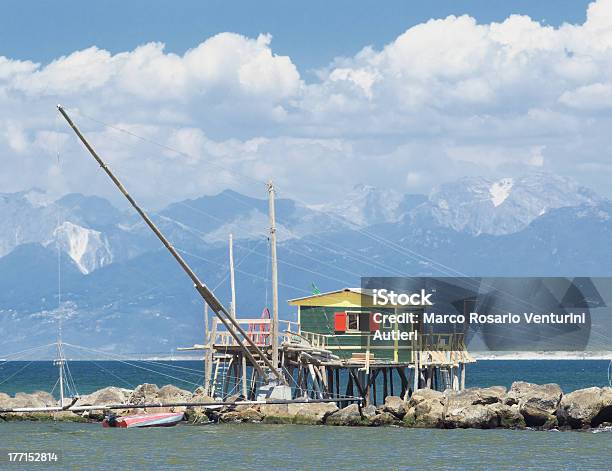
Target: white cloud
[445, 98]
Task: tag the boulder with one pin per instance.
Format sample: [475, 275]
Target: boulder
[46, 398]
[508, 416]
[32, 400]
[5, 400]
[481, 396]
[297, 413]
[105, 396]
[471, 416]
[144, 393]
[199, 395]
[245, 415]
[276, 413]
[170, 393]
[590, 407]
[197, 415]
[425, 409]
[200, 414]
[537, 403]
[350, 416]
[473, 407]
[311, 413]
[490, 395]
[395, 405]
[384, 419]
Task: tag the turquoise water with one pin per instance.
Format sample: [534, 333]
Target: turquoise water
[270, 447]
[89, 376]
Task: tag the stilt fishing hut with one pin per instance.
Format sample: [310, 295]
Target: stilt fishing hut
[333, 349]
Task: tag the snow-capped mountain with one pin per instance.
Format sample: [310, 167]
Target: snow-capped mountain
[118, 283]
[479, 205]
[367, 205]
[209, 219]
[76, 223]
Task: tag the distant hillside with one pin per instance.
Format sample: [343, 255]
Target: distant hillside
[122, 293]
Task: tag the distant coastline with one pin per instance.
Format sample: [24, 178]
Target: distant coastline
[542, 355]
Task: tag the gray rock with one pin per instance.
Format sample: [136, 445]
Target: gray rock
[350, 416]
[384, 419]
[508, 416]
[471, 416]
[311, 413]
[46, 398]
[200, 414]
[5, 400]
[37, 399]
[144, 393]
[276, 413]
[200, 396]
[588, 407]
[425, 409]
[106, 396]
[170, 393]
[245, 415]
[537, 403]
[396, 406]
[490, 395]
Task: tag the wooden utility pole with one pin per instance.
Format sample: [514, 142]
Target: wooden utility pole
[232, 280]
[232, 326]
[208, 350]
[274, 329]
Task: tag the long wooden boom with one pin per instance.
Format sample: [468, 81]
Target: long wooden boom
[232, 326]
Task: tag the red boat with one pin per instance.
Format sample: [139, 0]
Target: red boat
[164, 419]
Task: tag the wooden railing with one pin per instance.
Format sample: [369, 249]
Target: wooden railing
[316, 340]
[258, 330]
[441, 348]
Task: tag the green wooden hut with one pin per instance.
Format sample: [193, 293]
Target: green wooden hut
[344, 322]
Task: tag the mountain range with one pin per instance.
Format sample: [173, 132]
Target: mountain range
[102, 272]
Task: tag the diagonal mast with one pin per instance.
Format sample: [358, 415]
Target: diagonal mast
[232, 326]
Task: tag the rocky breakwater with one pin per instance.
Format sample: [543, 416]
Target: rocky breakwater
[524, 405]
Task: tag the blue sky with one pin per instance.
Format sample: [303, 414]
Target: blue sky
[312, 33]
[398, 94]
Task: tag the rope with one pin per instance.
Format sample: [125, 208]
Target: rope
[135, 365]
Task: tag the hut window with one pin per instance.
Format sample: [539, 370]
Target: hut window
[386, 323]
[352, 322]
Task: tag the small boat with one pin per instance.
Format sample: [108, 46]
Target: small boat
[165, 419]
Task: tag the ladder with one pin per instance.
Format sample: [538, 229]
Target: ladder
[445, 379]
[221, 366]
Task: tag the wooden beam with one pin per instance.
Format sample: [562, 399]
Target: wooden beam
[222, 313]
[274, 330]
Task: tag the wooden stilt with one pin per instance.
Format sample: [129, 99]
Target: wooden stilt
[359, 384]
[404, 380]
[372, 381]
[385, 390]
[245, 391]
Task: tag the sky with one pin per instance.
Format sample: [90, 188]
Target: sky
[190, 98]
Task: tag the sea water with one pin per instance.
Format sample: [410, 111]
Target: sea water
[89, 376]
[270, 447]
[276, 447]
